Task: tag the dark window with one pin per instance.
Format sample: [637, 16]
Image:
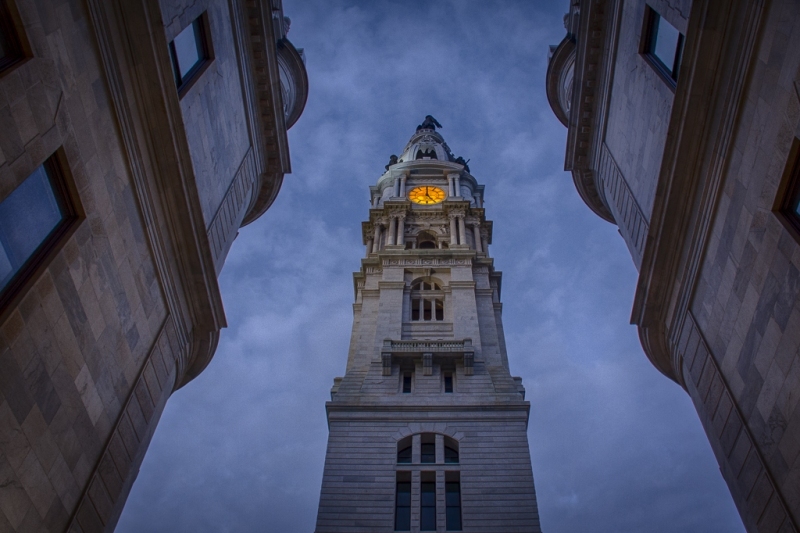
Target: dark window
[415, 304]
[404, 455]
[427, 245]
[662, 45]
[452, 500]
[427, 506]
[11, 50]
[450, 455]
[448, 382]
[428, 452]
[33, 219]
[406, 383]
[439, 309]
[788, 200]
[402, 514]
[190, 52]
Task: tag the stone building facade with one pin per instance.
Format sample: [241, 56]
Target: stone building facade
[136, 137]
[683, 122]
[428, 429]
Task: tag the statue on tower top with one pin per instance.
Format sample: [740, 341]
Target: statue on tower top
[429, 123]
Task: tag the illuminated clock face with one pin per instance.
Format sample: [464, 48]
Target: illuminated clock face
[426, 195]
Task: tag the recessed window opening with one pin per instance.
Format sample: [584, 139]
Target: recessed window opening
[428, 449]
[402, 513]
[787, 202]
[190, 52]
[662, 45]
[452, 501]
[407, 383]
[427, 301]
[33, 219]
[427, 502]
[11, 51]
[404, 451]
[450, 455]
[448, 382]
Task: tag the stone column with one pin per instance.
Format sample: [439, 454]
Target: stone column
[402, 187]
[453, 234]
[370, 244]
[476, 230]
[396, 189]
[401, 230]
[485, 243]
[376, 239]
[451, 185]
[462, 231]
[392, 231]
[458, 186]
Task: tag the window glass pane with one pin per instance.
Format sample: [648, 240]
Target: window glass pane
[450, 455]
[402, 520]
[27, 216]
[453, 505]
[666, 42]
[406, 384]
[404, 455]
[186, 49]
[427, 515]
[448, 385]
[428, 453]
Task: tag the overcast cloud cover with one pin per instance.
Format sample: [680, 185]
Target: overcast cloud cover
[616, 447]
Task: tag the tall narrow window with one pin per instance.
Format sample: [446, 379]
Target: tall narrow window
[427, 301]
[787, 203]
[11, 51]
[402, 512]
[452, 501]
[404, 451]
[190, 52]
[448, 382]
[33, 219]
[662, 45]
[428, 448]
[427, 502]
[407, 383]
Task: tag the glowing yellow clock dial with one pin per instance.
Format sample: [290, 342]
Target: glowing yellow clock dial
[426, 195]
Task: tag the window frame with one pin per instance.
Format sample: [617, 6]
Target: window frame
[202, 35]
[787, 199]
[67, 198]
[649, 33]
[11, 28]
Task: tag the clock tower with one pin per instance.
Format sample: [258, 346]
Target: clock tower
[428, 429]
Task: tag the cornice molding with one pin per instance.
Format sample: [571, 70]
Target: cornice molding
[593, 73]
[558, 79]
[259, 43]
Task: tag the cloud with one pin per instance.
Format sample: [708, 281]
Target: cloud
[615, 446]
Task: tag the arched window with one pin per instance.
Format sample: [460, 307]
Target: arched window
[404, 451]
[426, 240]
[450, 451]
[427, 301]
[428, 448]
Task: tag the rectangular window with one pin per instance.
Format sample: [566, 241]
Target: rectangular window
[402, 510]
[662, 45]
[439, 309]
[452, 500]
[427, 505]
[33, 220]
[787, 203]
[426, 309]
[190, 52]
[407, 383]
[428, 452]
[415, 303]
[448, 382]
[11, 51]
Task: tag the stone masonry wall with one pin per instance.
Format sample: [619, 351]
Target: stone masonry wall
[73, 349]
[746, 299]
